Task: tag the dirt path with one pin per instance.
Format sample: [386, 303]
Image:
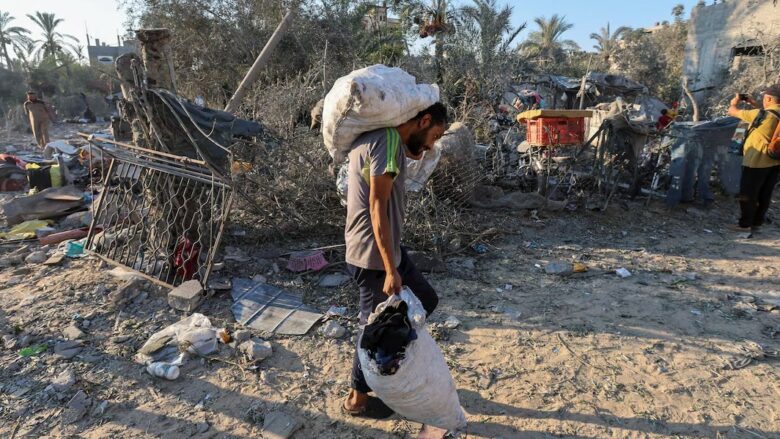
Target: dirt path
[589, 355]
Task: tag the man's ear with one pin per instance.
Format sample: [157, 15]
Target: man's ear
[425, 121]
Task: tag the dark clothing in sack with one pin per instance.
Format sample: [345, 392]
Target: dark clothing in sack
[387, 337]
[370, 283]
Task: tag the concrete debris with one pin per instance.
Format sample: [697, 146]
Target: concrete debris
[451, 322]
[76, 408]
[240, 336]
[64, 381]
[332, 329]
[36, 257]
[68, 349]
[187, 296]
[334, 280]
[256, 349]
[126, 292]
[278, 425]
[72, 332]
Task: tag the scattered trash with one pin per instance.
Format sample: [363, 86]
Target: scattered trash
[307, 261]
[696, 312]
[56, 238]
[268, 308]
[163, 370]
[750, 352]
[451, 322]
[336, 311]
[74, 249]
[557, 267]
[508, 287]
[46, 204]
[332, 329]
[24, 230]
[193, 334]
[334, 280]
[256, 349]
[623, 273]
[579, 267]
[32, 351]
[480, 248]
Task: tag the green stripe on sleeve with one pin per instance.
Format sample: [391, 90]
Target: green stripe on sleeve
[393, 141]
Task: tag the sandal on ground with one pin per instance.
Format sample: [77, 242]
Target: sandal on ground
[374, 409]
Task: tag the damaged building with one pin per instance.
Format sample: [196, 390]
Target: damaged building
[723, 37]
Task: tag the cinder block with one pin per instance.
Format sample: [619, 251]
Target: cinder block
[186, 297]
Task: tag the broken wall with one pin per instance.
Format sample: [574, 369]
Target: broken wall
[716, 36]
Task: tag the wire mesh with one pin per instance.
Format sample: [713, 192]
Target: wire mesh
[159, 215]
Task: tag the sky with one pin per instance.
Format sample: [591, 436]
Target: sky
[105, 20]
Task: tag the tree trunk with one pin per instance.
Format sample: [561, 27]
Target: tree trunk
[7, 58]
[158, 58]
[438, 55]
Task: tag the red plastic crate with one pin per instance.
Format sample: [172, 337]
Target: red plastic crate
[549, 131]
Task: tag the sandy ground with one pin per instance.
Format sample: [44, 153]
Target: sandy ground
[588, 355]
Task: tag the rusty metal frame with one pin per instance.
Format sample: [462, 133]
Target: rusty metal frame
[134, 207]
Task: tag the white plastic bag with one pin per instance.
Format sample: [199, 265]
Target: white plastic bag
[368, 99]
[422, 388]
[419, 171]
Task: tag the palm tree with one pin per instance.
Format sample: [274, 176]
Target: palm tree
[545, 43]
[607, 43]
[493, 25]
[52, 43]
[435, 18]
[13, 36]
[677, 12]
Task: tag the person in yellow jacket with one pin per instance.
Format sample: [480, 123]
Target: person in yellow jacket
[40, 116]
[760, 173]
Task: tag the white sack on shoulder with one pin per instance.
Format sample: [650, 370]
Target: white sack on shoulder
[368, 99]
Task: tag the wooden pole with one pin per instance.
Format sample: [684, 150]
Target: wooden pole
[582, 85]
[694, 104]
[251, 76]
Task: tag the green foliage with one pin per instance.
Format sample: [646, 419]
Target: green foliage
[655, 59]
[607, 43]
[13, 36]
[544, 45]
[52, 43]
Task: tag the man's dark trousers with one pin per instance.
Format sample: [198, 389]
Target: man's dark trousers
[370, 283]
[755, 194]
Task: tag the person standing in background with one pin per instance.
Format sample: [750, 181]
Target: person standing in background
[40, 118]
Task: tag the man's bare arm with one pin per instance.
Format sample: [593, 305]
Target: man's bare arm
[379, 200]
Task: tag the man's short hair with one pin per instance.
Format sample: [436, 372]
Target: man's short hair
[664, 111]
[438, 114]
[773, 90]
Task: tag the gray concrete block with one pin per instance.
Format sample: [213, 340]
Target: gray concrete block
[186, 297]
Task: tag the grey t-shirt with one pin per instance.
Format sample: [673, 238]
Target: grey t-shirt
[373, 154]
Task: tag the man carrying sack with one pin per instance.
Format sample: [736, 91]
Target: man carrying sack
[375, 217]
[760, 164]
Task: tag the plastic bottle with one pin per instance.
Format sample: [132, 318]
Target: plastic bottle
[163, 370]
